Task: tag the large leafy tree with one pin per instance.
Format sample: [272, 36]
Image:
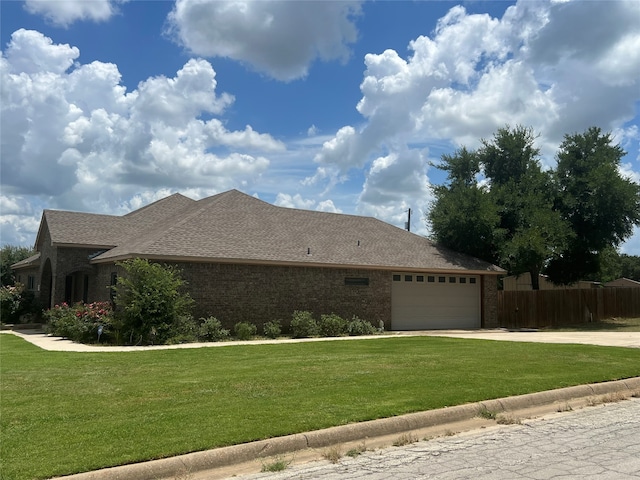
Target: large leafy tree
[508, 221]
[600, 205]
[529, 229]
[463, 210]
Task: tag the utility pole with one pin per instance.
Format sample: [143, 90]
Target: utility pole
[407, 225]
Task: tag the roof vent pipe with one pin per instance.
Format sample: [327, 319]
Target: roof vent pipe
[308, 250]
[358, 242]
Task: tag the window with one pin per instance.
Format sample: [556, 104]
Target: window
[452, 279]
[364, 281]
[442, 279]
[431, 279]
[472, 280]
[68, 289]
[419, 278]
[463, 280]
[31, 282]
[408, 278]
[397, 278]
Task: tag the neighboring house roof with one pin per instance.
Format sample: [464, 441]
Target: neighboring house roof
[235, 227]
[523, 282]
[623, 282]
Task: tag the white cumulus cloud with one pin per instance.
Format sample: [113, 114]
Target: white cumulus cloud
[73, 135]
[279, 38]
[65, 12]
[557, 67]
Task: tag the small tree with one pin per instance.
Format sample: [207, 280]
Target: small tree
[150, 301]
[10, 254]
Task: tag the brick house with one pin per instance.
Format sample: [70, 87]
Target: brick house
[247, 260]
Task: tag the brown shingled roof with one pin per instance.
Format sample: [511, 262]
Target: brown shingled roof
[76, 228]
[235, 227]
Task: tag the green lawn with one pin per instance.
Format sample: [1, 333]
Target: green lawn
[64, 413]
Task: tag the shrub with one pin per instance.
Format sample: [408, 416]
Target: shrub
[150, 301]
[10, 299]
[272, 329]
[185, 330]
[245, 330]
[81, 322]
[16, 301]
[332, 325]
[357, 326]
[211, 330]
[303, 324]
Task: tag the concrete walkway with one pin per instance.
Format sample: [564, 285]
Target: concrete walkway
[609, 339]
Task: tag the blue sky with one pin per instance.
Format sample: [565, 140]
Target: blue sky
[334, 106]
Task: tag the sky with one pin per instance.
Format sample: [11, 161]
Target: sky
[337, 106]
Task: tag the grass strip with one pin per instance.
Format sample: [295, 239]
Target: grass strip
[64, 413]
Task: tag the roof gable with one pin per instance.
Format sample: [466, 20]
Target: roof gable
[107, 231]
[75, 228]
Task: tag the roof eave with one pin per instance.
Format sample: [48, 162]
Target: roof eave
[246, 261]
[31, 262]
[83, 245]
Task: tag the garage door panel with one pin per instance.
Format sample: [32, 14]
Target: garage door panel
[436, 305]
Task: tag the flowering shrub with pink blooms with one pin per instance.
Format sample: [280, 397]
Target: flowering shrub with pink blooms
[81, 322]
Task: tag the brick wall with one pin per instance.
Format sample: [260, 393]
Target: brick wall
[56, 263]
[490, 301]
[258, 294]
[101, 291]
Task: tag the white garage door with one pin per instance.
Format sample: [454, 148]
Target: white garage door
[429, 302]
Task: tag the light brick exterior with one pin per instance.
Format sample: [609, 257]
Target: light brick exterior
[489, 301]
[258, 293]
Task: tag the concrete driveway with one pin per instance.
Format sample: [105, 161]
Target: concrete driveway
[608, 339]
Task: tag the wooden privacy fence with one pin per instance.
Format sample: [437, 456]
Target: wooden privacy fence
[550, 308]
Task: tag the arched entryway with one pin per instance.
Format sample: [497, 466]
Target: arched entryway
[76, 287]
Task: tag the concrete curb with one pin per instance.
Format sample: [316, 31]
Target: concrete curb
[236, 454]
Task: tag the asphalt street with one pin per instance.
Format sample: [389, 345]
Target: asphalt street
[599, 442]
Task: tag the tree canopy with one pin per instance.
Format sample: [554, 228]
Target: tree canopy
[10, 254]
[499, 204]
[600, 206]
